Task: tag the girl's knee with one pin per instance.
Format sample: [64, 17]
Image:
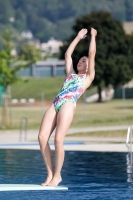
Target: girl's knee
[41, 138]
[58, 141]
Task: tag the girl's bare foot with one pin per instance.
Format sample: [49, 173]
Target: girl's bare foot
[47, 181]
[55, 181]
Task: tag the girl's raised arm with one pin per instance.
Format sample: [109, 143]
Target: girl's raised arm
[91, 55]
[68, 54]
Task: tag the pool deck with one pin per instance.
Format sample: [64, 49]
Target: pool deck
[9, 139]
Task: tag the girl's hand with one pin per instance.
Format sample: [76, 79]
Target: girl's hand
[93, 32]
[82, 34]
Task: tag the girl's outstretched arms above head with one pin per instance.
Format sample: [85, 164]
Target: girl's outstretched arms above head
[68, 55]
[91, 55]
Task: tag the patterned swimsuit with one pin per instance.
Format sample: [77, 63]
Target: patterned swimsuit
[71, 90]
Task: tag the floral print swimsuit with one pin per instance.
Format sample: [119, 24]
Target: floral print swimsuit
[71, 90]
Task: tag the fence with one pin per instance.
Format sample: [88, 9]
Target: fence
[1, 93]
[128, 93]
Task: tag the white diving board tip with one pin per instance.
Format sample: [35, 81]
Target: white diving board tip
[16, 187]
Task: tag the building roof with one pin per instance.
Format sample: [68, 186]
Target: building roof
[51, 62]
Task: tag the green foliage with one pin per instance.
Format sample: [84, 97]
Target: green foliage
[130, 52]
[48, 18]
[114, 49]
[9, 64]
[30, 52]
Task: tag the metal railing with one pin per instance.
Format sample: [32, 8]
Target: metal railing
[129, 143]
[23, 126]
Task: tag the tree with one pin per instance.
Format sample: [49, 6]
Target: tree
[30, 52]
[130, 54]
[112, 66]
[45, 20]
[9, 65]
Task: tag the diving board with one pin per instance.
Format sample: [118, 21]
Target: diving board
[16, 187]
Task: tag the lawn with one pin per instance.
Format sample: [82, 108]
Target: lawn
[33, 87]
[103, 134]
[86, 115]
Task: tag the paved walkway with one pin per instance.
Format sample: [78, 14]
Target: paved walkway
[11, 139]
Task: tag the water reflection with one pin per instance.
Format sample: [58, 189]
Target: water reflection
[129, 167]
[88, 166]
[95, 173]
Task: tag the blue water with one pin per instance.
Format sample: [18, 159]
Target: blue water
[88, 175]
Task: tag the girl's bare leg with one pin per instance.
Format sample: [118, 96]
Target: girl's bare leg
[64, 119]
[47, 126]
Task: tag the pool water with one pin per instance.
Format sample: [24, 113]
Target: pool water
[88, 175]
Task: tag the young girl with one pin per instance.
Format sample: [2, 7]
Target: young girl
[61, 111]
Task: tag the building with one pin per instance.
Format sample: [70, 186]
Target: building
[128, 27]
[47, 68]
[27, 34]
[52, 46]
[126, 91]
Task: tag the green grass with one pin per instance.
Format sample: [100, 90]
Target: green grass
[92, 114]
[86, 115]
[112, 134]
[107, 113]
[35, 86]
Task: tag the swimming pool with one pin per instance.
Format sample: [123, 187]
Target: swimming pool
[88, 175]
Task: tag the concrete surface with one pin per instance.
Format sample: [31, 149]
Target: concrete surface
[10, 139]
